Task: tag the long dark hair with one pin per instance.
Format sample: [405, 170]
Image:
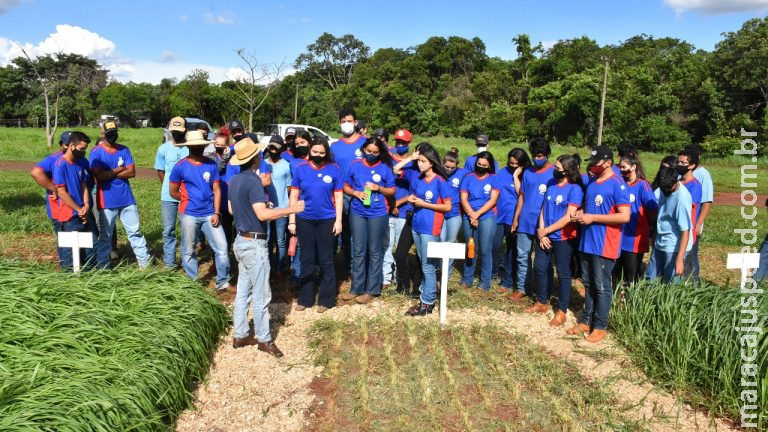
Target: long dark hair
[321, 142]
[425, 149]
[570, 165]
[300, 134]
[522, 158]
[386, 157]
[452, 155]
[489, 157]
[638, 166]
[670, 161]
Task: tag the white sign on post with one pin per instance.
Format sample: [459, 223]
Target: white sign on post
[446, 252]
[76, 240]
[744, 262]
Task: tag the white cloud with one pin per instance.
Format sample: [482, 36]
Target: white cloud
[7, 4]
[169, 56]
[224, 19]
[716, 7]
[66, 39]
[183, 18]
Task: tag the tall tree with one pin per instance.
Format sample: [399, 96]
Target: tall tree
[254, 83]
[333, 59]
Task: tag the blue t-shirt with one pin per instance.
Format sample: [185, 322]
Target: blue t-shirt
[46, 165]
[409, 172]
[558, 198]
[245, 190]
[478, 190]
[694, 187]
[674, 217]
[196, 181]
[287, 156]
[707, 188]
[344, 152]
[71, 176]
[435, 191]
[642, 206]
[533, 188]
[358, 174]
[505, 207]
[469, 164]
[168, 155]
[603, 198]
[281, 181]
[316, 187]
[454, 181]
[115, 192]
[293, 163]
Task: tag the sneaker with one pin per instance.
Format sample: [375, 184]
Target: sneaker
[419, 309]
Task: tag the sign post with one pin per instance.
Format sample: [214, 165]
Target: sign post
[76, 240]
[744, 262]
[446, 252]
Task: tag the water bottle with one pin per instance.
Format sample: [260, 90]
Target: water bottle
[367, 200]
[292, 243]
[471, 247]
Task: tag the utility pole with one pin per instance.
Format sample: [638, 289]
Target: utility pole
[602, 104]
[296, 105]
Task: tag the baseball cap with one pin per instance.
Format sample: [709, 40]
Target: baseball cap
[360, 125]
[291, 131]
[481, 140]
[277, 139]
[108, 126]
[404, 135]
[64, 138]
[601, 153]
[381, 132]
[235, 124]
[178, 124]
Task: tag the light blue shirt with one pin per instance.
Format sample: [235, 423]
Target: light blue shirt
[674, 218]
[281, 180]
[167, 157]
[707, 188]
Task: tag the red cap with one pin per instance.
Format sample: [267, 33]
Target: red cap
[404, 135]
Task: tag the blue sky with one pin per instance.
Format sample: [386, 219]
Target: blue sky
[148, 40]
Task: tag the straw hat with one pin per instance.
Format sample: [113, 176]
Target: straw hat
[245, 150]
[194, 138]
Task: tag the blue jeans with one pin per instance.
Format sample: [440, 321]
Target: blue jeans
[346, 234]
[169, 211]
[691, 268]
[129, 216]
[252, 288]
[191, 226]
[505, 262]
[483, 236]
[367, 253]
[395, 228]
[599, 292]
[762, 271]
[664, 266]
[524, 248]
[450, 233]
[559, 255]
[278, 236]
[87, 256]
[429, 285]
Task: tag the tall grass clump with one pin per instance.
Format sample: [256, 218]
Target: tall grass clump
[684, 336]
[103, 351]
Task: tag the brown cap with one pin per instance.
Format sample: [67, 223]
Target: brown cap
[178, 124]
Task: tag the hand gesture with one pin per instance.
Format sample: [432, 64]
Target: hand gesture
[372, 186]
[414, 155]
[541, 232]
[513, 227]
[545, 243]
[292, 227]
[297, 207]
[585, 218]
[361, 195]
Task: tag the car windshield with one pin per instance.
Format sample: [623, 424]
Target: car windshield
[273, 129]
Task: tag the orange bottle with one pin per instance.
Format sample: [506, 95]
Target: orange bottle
[471, 247]
[292, 246]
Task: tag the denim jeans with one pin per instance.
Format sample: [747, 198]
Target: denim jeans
[762, 271]
[129, 216]
[317, 244]
[524, 248]
[483, 236]
[559, 255]
[691, 267]
[367, 253]
[509, 258]
[408, 279]
[395, 228]
[599, 292]
[87, 256]
[664, 266]
[278, 238]
[252, 288]
[191, 226]
[346, 234]
[650, 271]
[450, 233]
[169, 211]
[429, 287]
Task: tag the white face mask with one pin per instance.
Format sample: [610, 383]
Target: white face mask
[482, 149]
[347, 128]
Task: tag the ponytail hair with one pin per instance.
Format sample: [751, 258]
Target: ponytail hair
[632, 160]
[570, 165]
[425, 149]
[452, 156]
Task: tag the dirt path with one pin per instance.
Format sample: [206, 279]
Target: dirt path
[249, 390]
[721, 198]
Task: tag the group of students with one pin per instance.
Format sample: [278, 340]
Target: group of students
[378, 200]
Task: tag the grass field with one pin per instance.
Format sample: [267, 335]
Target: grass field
[28, 144]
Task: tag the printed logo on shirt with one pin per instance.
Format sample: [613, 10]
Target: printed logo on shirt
[455, 182]
[358, 153]
[487, 189]
[327, 179]
[542, 188]
[559, 199]
[631, 197]
[319, 175]
[207, 177]
[599, 200]
[120, 162]
[428, 196]
[376, 178]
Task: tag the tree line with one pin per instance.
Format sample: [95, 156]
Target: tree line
[662, 92]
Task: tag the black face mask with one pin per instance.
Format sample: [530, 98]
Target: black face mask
[219, 150]
[317, 160]
[559, 175]
[667, 192]
[481, 170]
[626, 174]
[274, 153]
[178, 137]
[301, 152]
[238, 137]
[450, 171]
[79, 154]
[111, 137]
[682, 169]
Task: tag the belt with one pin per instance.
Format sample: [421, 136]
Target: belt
[251, 235]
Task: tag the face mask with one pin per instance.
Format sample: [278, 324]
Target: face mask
[450, 171]
[538, 163]
[626, 174]
[371, 158]
[482, 148]
[401, 150]
[238, 137]
[317, 160]
[424, 166]
[596, 169]
[681, 170]
[347, 128]
[481, 170]
[178, 137]
[514, 167]
[301, 152]
[79, 154]
[559, 175]
[275, 155]
[111, 137]
[220, 150]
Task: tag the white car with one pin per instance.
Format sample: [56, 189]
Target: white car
[279, 129]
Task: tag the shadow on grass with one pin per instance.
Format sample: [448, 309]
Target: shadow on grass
[10, 204]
